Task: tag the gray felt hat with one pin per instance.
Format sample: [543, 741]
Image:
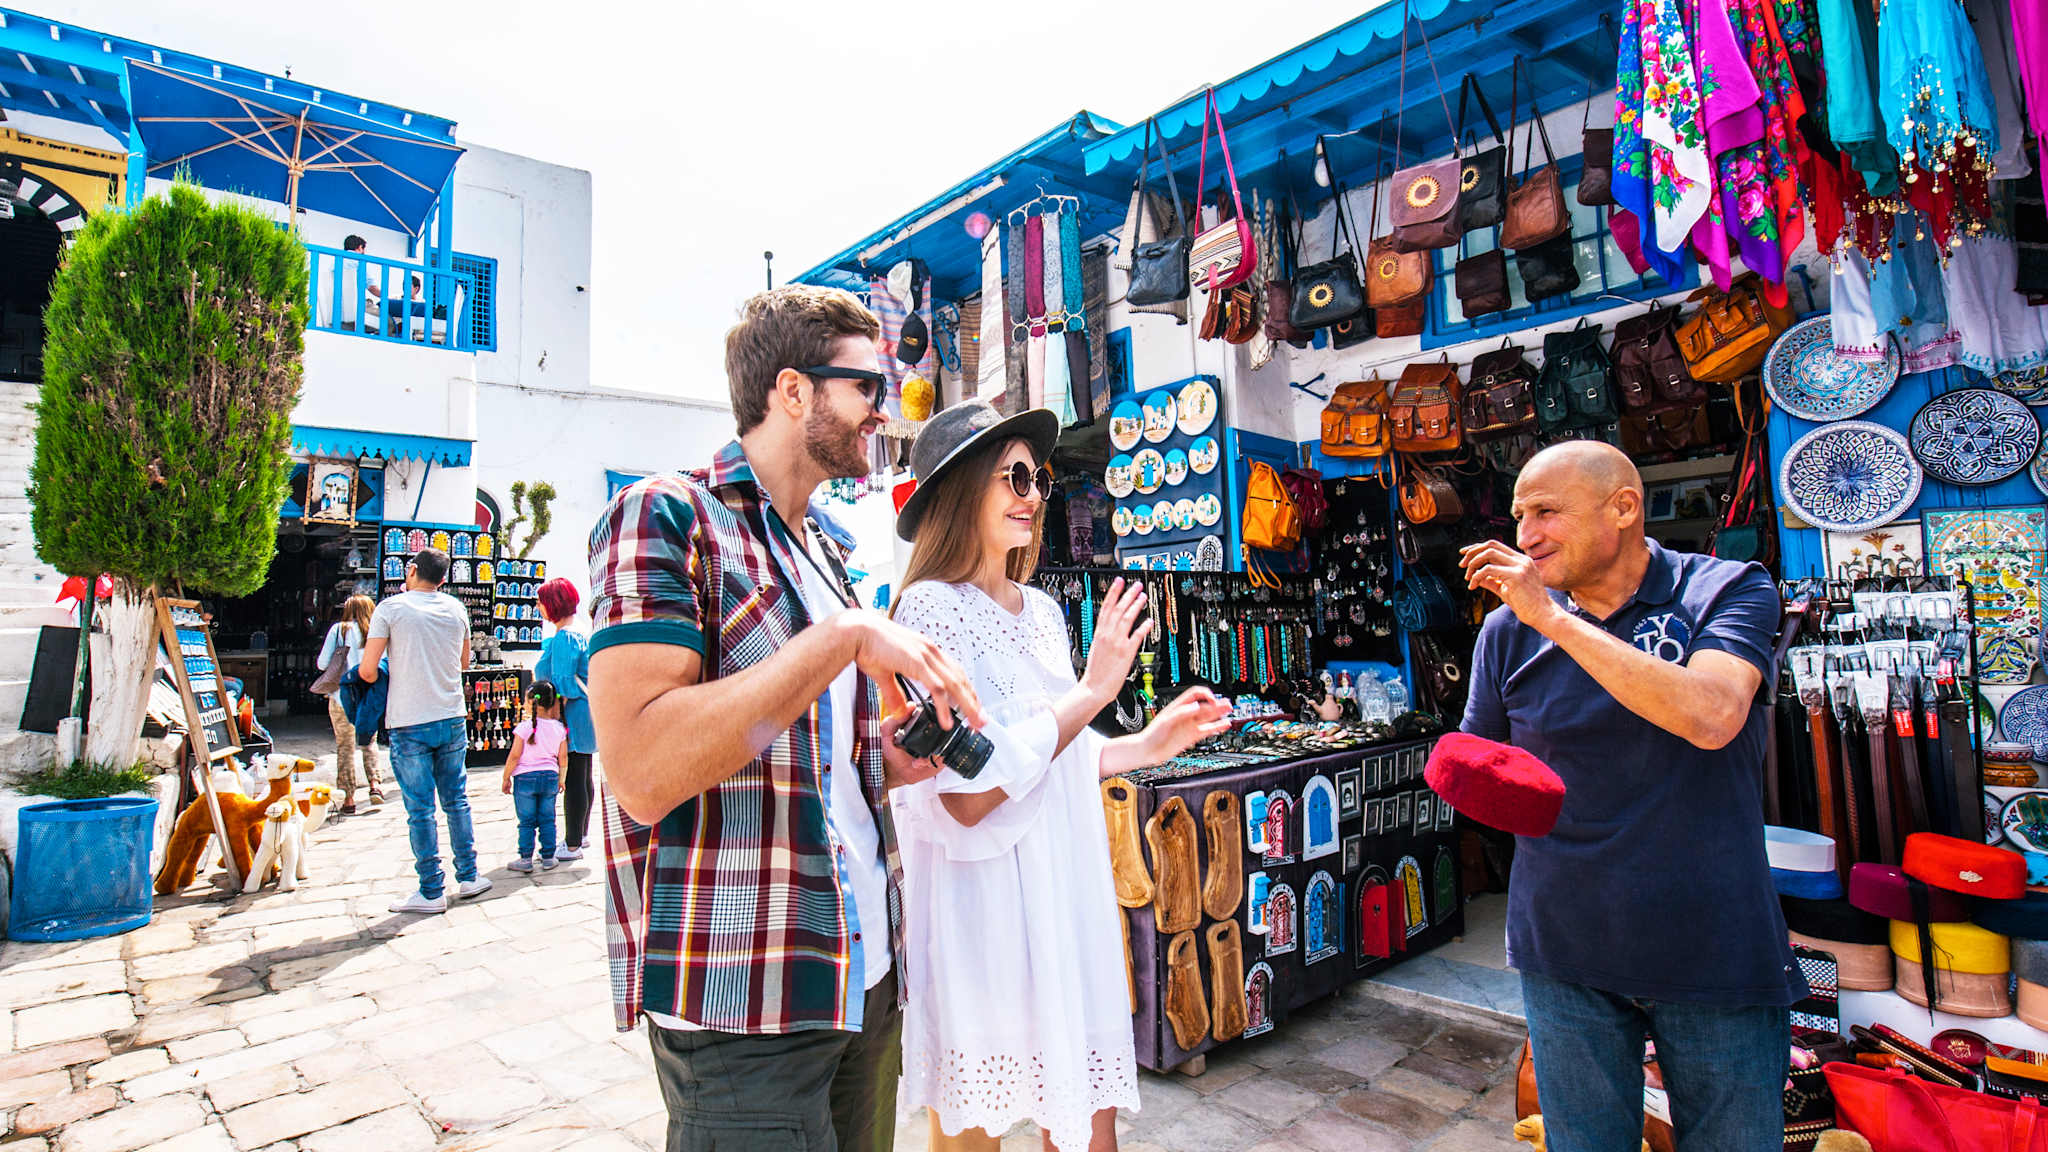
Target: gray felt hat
[953, 435]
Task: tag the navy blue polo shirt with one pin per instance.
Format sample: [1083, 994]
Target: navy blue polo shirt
[1654, 883]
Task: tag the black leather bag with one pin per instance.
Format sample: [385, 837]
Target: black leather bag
[1573, 391]
[1443, 675]
[1159, 270]
[1328, 293]
[1482, 283]
[1596, 151]
[1500, 400]
[1548, 269]
[1482, 182]
[1423, 602]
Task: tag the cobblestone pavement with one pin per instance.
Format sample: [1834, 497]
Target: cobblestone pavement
[318, 1021]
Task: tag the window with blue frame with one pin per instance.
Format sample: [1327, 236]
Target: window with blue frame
[481, 310]
[1603, 270]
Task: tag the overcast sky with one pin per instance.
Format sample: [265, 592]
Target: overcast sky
[716, 132]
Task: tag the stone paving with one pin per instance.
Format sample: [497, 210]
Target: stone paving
[318, 1021]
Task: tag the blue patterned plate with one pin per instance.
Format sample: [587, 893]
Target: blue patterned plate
[2038, 470]
[1850, 476]
[1806, 379]
[1975, 436]
[2024, 719]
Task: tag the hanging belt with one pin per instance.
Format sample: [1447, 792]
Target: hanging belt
[1851, 794]
[1906, 754]
[1955, 735]
[1881, 788]
[1819, 723]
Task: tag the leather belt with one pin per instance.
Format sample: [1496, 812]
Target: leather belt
[1955, 732]
[1819, 722]
[1881, 788]
[1851, 794]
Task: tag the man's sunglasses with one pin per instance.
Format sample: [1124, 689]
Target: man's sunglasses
[874, 385]
[1023, 480]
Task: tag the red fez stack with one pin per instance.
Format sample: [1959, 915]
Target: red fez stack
[1496, 784]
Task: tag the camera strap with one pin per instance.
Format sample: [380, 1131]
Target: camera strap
[838, 577]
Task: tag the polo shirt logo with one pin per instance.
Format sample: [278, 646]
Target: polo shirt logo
[1663, 636]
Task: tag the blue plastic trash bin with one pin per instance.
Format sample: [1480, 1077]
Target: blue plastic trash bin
[81, 868]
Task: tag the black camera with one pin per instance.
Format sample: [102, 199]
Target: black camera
[960, 748]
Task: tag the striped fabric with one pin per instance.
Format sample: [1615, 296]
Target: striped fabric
[726, 913]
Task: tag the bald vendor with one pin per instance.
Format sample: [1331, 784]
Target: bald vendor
[1648, 912]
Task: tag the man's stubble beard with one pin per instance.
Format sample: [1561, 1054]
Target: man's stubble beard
[834, 447]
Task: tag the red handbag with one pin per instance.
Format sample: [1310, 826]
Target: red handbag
[1897, 1112]
[1228, 254]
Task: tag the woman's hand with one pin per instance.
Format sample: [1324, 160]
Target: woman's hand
[1120, 629]
[1194, 716]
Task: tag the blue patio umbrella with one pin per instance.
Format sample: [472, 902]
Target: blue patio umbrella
[319, 156]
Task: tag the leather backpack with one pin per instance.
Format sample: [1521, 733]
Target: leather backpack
[1649, 373]
[1305, 487]
[1424, 411]
[1573, 391]
[1271, 522]
[1732, 332]
[1355, 420]
[1500, 400]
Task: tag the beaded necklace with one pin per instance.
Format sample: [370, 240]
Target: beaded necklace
[1087, 615]
[1265, 680]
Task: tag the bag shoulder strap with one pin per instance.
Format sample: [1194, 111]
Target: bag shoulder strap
[1470, 86]
[1408, 16]
[1535, 114]
[1212, 115]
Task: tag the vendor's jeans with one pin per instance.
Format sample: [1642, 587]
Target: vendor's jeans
[533, 798]
[428, 761]
[1723, 1067]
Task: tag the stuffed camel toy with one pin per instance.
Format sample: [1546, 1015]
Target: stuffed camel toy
[282, 845]
[243, 817]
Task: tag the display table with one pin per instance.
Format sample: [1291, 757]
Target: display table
[1365, 874]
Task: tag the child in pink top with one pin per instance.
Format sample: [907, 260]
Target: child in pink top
[533, 773]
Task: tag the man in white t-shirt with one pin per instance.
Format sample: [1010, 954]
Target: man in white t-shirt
[425, 632]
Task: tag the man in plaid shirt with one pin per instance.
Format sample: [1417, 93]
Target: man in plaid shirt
[745, 710]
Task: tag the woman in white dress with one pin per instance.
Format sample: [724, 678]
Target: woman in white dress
[1018, 1005]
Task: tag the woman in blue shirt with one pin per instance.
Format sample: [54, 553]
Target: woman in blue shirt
[565, 663]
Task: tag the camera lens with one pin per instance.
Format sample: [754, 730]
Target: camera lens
[965, 750]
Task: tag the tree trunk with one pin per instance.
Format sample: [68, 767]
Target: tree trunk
[123, 664]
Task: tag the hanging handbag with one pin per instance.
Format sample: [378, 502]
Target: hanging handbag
[1649, 373]
[1242, 322]
[1481, 282]
[1509, 453]
[1279, 318]
[1215, 313]
[1732, 332]
[1328, 293]
[1271, 522]
[1443, 673]
[1549, 269]
[1745, 531]
[1305, 487]
[1424, 409]
[1159, 268]
[1482, 182]
[1392, 277]
[1596, 156]
[1536, 210]
[1422, 544]
[1424, 206]
[1400, 319]
[1499, 401]
[1572, 391]
[1226, 255]
[1428, 498]
[1354, 422]
[1423, 602]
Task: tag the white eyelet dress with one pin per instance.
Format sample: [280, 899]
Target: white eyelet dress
[1018, 1006]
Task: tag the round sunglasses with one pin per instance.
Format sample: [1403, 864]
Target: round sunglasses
[1023, 480]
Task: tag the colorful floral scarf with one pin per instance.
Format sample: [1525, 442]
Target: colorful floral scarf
[1634, 176]
[1681, 175]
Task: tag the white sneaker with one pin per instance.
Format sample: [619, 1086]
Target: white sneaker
[547, 863]
[569, 854]
[522, 864]
[469, 888]
[419, 903]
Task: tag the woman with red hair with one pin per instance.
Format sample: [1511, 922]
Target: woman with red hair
[565, 663]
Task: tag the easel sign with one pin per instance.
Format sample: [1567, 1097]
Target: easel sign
[210, 727]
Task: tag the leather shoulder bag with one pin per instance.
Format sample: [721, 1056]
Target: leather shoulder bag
[1159, 268]
[1392, 277]
[1226, 255]
[1732, 332]
[1649, 373]
[1279, 311]
[1482, 182]
[1328, 293]
[1355, 420]
[1423, 602]
[1481, 282]
[1596, 151]
[1549, 269]
[1425, 408]
[1424, 206]
[1499, 401]
[1401, 319]
[1536, 210]
[1428, 497]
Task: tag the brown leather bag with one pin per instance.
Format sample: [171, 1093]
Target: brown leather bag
[1243, 321]
[1732, 332]
[1424, 206]
[1649, 373]
[1428, 498]
[1400, 319]
[1424, 411]
[1482, 283]
[1499, 401]
[1536, 208]
[1392, 277]
[1355, 420]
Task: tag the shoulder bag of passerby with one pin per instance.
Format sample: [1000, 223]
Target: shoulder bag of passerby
[1159, 268]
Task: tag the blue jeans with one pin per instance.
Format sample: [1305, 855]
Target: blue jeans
[428, 761]
[1724, 1069]
[533, 797]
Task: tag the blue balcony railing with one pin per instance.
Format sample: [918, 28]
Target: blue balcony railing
[396, 301]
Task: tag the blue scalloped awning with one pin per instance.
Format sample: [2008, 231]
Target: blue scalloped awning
[346, 442]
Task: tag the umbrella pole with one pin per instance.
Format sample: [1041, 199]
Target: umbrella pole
[293, 170]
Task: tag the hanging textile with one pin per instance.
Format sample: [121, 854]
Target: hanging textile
[1731, 118]
[2002, 335]
[1848, 40]
[1634, 223]
[1681, 175]
[1993, 21]
[1784, 150]
[1877, 301]
[2030, 48]
[1059, 379]
[1095, 303]
[1261, 346]
[991, 380]
[1938, 113]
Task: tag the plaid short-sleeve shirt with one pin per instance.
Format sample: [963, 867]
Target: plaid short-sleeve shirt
[728, 912]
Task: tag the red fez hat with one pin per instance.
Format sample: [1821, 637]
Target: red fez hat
[1966, 866]
[1498, 785]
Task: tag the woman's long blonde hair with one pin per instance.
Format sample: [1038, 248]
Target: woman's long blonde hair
[357, 610]
[949, 545]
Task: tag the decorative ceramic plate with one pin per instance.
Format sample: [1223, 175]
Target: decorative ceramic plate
[1208, 509]
[1126, 425]
[2038, 470]
[1159, 561]
[1176, 466]
[1197, 407]
[1162, 516]
[1121, 477]
[1183, 515]
[1148, 468]
[1806, 379]
[1975, 436]
[2026, 834]
[2024, 719]
[1850, 476]
[1209, 554]
[1203, 455]
[1120, 521]
[1141, 519]
[1159, 416]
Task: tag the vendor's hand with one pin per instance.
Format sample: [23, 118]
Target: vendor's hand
[1194, 716]
[1491, 566]
[900, 767]
[887, 649]
[1120, 629]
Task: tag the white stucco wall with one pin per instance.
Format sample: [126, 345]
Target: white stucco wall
[534, 219]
